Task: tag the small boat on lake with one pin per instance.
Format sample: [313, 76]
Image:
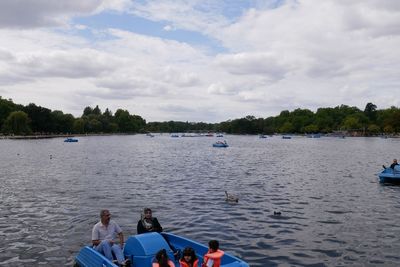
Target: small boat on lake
[220, 144]
[71, 140]
[262, 136]
[286, 137]
[389, 175]
[141, 249]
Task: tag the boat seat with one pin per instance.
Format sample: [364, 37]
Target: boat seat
[141, 249]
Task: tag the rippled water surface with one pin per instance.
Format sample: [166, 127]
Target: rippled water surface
[333, 210]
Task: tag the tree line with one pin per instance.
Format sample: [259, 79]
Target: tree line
[32, 119]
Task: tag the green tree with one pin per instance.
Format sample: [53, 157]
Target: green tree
[87, 111]
[370, 111]
[287, 127]
[17, 123]
[79, 126]
[96, 110]
[41, 119]
[6, 107]
[311, 128]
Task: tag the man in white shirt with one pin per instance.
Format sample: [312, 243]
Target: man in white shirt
[104, 234]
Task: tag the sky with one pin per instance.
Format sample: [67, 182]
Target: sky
[200, 60]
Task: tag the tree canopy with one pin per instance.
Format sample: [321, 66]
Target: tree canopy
[19, 119]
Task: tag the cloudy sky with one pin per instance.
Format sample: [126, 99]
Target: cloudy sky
[200, 60]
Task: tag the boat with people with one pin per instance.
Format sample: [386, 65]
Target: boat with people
[389, 175]
[141, 249]
[71, 140]
[286, 137]
[220, 144]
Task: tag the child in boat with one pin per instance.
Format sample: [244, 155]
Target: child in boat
[213, 257]
[162, 260]
[189, 258]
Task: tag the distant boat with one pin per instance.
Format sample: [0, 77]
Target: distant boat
[220, 144]
[220, 135]
[174, 135]
[71, 140]
[286, 137]
[262, 136]
[141, 249]
[318, 135]
[150, 135]
[389, 175]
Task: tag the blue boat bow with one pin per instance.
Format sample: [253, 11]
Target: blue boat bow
[141, 249]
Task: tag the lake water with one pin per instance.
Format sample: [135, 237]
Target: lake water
[333, 210]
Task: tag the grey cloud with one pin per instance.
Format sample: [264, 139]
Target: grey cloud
[42, 13]
[253, 64]
[122, 87]
[6, 56]
[65, 65]
[9, 78]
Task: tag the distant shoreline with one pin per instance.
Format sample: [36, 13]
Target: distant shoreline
[47, 136]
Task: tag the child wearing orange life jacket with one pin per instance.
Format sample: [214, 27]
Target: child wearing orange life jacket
[189, 258]
[162, 260]
[214, 255]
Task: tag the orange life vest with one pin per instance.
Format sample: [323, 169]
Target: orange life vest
[215, 256]
[170, 263]
[185, 264]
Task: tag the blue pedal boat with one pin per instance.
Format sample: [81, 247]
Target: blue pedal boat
[389, 175]
[141, 250]
[71, 140]
[220, 144]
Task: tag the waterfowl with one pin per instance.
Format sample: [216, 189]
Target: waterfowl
[231, 198]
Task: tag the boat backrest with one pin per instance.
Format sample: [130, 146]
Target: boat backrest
[141, 249]
[89, 257]
[396, 169]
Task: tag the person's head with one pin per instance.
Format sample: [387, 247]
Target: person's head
[395, 161]
[105, 216]
[162, 258]
[213, 245]
[147, 213]
[188, 255]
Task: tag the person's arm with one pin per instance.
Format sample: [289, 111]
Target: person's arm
[215, 255]
[121, 239]
[140, 228]
[156, 226]
[95, 236]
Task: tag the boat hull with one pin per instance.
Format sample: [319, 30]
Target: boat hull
[390, 175]
[220, 145]
[141, 249]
